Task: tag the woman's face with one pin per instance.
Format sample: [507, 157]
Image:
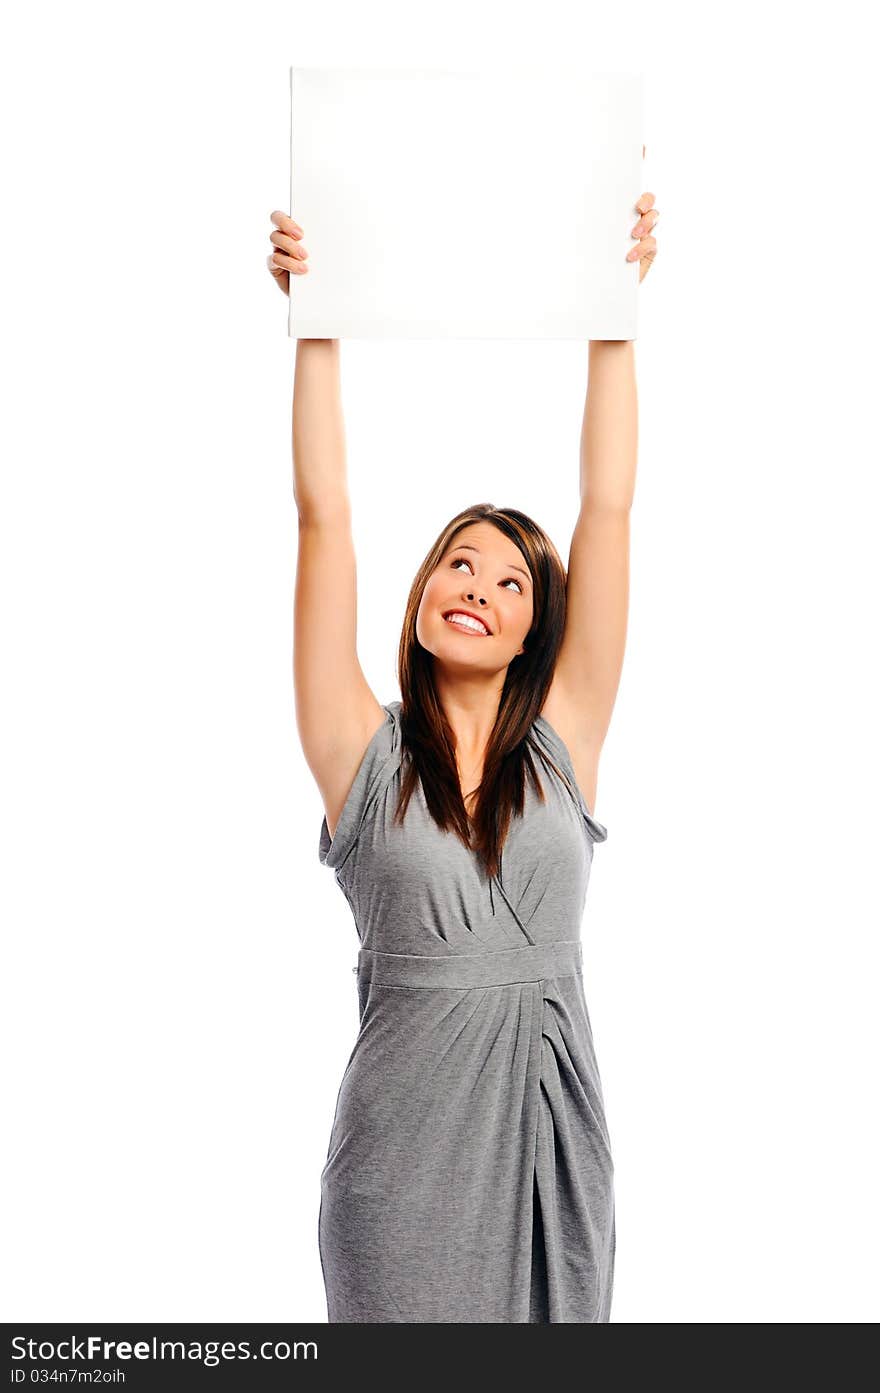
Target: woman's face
[484, 574]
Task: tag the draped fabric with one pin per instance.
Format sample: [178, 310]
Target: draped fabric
[469, 1175]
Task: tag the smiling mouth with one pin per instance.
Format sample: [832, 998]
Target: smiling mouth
[466, 623]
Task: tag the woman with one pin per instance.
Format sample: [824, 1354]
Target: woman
[469, 1174]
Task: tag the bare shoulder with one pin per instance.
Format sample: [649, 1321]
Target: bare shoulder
[570, 724]
[334, 744]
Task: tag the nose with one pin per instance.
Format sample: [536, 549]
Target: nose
[470, 596]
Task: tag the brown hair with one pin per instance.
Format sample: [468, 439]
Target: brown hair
[426, 735]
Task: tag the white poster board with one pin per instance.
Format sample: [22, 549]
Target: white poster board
[439, 204]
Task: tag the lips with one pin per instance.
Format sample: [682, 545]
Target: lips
[459, 618]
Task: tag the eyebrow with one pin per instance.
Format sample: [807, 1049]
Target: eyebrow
[466, 547]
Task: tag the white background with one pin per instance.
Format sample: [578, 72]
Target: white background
[178, 1001]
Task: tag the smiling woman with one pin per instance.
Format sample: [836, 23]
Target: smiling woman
[471, 621]
[469, 1174]
[513, 1218]
[485, 591]
[496, 573]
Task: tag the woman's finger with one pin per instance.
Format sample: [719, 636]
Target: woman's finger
[288, 244]
[290, 263]
[646, 223]
[645, 202]
[646, 246]
[285, 223]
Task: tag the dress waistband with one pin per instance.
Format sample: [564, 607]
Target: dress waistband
[532, 963]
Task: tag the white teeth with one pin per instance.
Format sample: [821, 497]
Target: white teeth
[466, 622]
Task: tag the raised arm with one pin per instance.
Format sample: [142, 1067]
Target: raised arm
[336, 711]
[584, 689]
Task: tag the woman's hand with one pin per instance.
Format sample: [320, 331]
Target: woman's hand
[647, 247]
[290, 255]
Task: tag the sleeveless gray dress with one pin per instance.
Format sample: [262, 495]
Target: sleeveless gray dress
[469, 1175]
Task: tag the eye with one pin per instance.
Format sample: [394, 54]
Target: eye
[463, 560]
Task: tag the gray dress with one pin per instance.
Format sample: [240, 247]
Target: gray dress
[469, 1175]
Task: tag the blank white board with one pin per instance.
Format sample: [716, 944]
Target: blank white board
[438, 204]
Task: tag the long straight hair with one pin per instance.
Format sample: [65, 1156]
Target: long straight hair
[426, 735]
